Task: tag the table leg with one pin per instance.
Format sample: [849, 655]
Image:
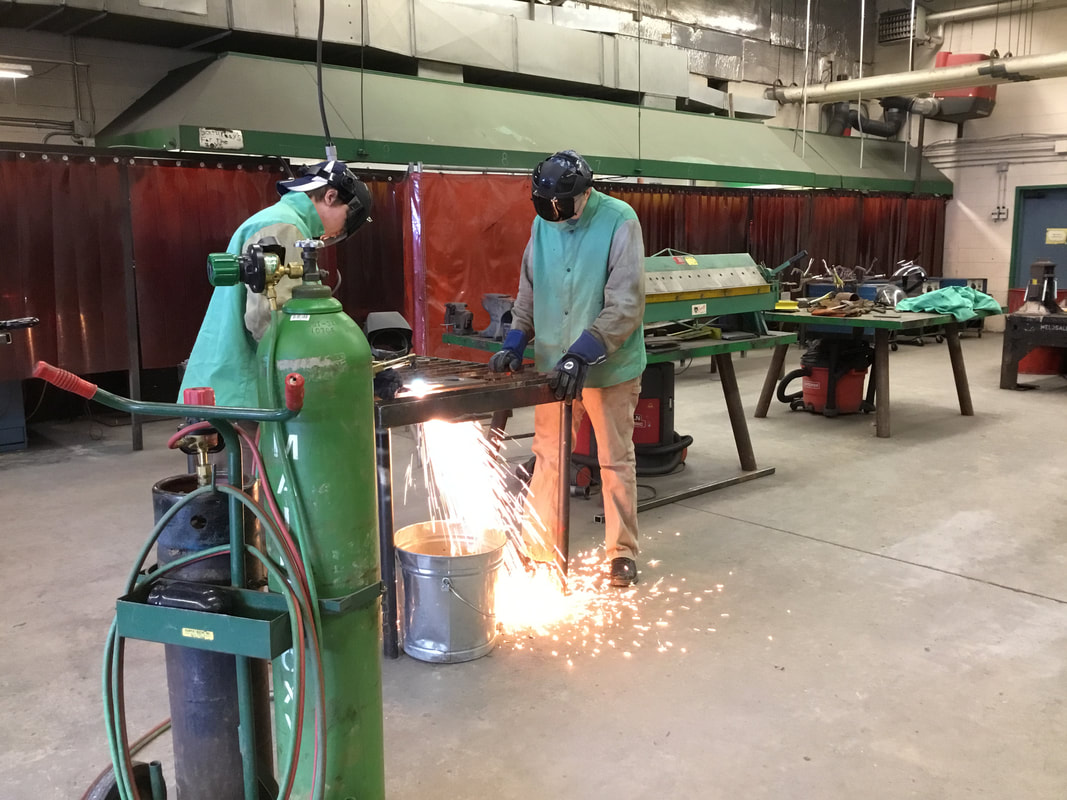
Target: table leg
[774, 372]
[497, 428]
[881, 383]
[959, 371]
[1010, 356]
[728, 379]
[390, 633]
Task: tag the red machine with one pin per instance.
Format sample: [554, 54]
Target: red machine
[849, 394]
[659, 449]
[960, 105]
[832, 372]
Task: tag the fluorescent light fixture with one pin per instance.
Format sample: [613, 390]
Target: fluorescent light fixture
[8, 70]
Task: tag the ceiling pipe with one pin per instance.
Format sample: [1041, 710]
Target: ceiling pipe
[943, 18]
[980, 73]
[990, 10]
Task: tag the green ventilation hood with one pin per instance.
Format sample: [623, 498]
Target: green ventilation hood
[265, 106]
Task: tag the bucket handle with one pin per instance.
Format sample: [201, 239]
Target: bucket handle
[446, 586]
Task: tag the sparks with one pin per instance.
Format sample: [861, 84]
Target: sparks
[472, 493]
[418, 387]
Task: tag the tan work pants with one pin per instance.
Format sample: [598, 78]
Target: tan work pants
[611, 411]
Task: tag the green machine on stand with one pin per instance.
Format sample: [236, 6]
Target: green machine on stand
[320, 622]
[681, 287]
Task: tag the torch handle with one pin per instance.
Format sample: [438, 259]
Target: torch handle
[70, 382]
[67, 381]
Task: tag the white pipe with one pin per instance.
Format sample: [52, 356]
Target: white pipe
[979, 73]
[859, 97]
[804, 93]
[990, 10]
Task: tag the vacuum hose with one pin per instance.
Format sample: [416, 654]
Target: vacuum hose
[788, 378]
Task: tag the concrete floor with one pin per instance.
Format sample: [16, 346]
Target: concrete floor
[891, 623]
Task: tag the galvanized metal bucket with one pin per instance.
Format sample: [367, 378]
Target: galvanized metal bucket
[448, 593]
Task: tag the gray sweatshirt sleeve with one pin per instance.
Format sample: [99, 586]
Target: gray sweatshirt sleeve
[522, 312]
[624, 292]
[257, 306]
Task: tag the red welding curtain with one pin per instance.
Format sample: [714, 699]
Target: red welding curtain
[834, 228]
[465, 234]
[62, 263]
[457, 236]
[182, 213]
[778, 226]
[464, 237]
[65, 262]
[701, 221]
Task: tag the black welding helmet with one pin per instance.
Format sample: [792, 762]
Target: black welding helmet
[358, 212]
[350, 190]
[557, 183]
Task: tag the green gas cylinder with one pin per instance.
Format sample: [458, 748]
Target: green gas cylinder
[330, 446]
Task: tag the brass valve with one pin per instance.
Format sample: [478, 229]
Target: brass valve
[275, 271]
[201, 445]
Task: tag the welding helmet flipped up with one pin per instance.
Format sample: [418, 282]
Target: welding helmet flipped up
[350, 190]
[557, 183]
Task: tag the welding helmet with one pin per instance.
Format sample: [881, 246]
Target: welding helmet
[557, 182]
[911, 277]
[889, 294]
[350, 190]
[388, 334]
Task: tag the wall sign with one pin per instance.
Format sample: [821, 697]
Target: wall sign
[221, 139]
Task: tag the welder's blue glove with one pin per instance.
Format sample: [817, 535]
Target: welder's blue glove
[568, 376]
[509, 357]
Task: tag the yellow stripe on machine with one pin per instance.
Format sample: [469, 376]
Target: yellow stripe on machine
[736, 291]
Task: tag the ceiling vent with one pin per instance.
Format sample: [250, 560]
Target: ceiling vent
[894, 27]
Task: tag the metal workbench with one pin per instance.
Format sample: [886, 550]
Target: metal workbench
[883, 325]
[1024, 332]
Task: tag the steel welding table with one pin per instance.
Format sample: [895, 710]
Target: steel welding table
[882, 324]
[461, 391]
[722, 351]
[1024, 332]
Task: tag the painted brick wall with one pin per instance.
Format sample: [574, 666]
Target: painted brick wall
[975, 245]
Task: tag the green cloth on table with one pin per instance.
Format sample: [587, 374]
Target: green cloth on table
[960, 301]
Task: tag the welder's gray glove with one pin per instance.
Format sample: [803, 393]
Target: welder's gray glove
[509, 357]
[568, 376]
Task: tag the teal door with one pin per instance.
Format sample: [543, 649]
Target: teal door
[1040, 232]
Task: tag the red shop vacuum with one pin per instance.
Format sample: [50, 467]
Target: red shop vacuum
[832, 373]
[658, 447]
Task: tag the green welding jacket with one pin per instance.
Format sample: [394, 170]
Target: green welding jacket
[587, 274]
[224, 354]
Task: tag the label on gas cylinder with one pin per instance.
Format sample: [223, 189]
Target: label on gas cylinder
[299, 317]
[197, 633]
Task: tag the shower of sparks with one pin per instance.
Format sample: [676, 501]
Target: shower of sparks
[471, 491]
[467, 481]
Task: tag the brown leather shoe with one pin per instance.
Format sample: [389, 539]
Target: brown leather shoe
[623, 572]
